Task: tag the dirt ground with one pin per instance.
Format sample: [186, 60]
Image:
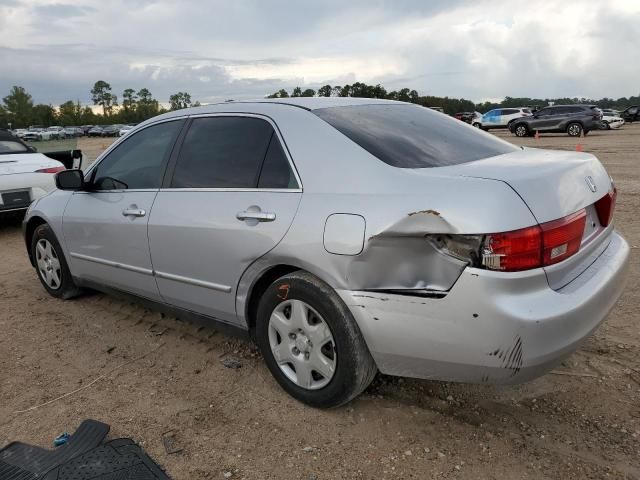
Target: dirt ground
[146, 375]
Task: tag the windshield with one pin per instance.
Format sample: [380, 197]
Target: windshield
[10, 146]
[411, 136]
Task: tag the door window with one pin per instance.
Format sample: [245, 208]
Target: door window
[139, 161]
[232, 152]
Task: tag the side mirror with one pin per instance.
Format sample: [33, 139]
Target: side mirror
[32, 149]
[70, 180]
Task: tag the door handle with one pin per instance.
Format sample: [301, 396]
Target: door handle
[133, 212]
[259, 216]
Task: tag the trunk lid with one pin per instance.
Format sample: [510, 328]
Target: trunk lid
[12, 164]
[553, 184]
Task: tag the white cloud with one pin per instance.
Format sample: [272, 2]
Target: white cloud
[218, 49]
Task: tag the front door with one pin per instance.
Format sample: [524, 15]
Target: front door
[105, 227]
[232, 197]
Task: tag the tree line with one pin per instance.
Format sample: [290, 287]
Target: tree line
[449, 105]
[19, 110]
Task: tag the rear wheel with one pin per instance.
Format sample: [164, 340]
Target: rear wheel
[574, 129]
[476, 124]
[51, 265]
[521, 130]
[311, 342]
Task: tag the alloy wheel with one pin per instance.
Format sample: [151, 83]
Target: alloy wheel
[48, 264]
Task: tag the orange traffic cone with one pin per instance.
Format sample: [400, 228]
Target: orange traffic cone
[579, 147]
[537, 135]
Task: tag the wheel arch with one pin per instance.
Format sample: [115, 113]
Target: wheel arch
[29, 229]
[258, 287]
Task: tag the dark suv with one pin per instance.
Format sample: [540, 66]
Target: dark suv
[572, 119]
[631, 114]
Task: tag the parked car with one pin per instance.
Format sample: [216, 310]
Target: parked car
[20, 132]
[111, 130]
[631, 114]
[125, 129]
[574, 120]
[25, 175]
[37, 133]
[86, 128]
[72, 132]
[611, 119]
[96, 131]
[466, 117]
[345, 237]
[57, 133]
[500, 117]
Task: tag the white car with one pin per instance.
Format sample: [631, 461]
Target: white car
[25, 175]
[125, 129]
[611, 119]
[500, 117]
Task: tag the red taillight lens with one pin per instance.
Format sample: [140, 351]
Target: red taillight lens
[513, 251]
[562, 238]
[605, 207]
[50, 170]
[534, 247]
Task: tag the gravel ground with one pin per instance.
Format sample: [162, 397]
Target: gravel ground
[145, 375]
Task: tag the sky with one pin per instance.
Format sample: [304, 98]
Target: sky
[215, 50]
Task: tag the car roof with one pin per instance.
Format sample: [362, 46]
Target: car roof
[267, 106]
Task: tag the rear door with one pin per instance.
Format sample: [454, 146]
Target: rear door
[231, 197]
[105, 228]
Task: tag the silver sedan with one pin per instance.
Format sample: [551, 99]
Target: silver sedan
[346, 236]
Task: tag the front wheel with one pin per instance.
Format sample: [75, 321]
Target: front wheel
[311, 343]
[574, 129]
[51, 265]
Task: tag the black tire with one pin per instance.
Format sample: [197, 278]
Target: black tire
[67, 288]
[521, 130]
[574, 129]
[355, 368]
[476, 124]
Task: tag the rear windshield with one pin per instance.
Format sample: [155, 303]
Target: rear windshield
[410, 136]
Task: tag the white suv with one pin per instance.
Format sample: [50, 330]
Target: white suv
[500, 117]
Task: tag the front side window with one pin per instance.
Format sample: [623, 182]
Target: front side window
[232, 152]
[410, 136]
[139, 161]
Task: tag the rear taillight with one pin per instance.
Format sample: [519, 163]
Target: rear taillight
[562, 238]
[534, 247]
[605, 207]
[50, 170]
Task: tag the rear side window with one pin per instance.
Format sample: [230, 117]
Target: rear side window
[509, 111]
[231, 152]
[410, 136]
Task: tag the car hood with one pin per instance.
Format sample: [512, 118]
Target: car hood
[552, 183]
[12, 164]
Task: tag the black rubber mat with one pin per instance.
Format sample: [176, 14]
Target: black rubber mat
[19, 461]
[83, 457]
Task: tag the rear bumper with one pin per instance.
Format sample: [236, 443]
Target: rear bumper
[492, 327]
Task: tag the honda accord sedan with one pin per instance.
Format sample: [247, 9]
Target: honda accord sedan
[345, 236]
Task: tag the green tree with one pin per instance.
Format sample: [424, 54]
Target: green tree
[44, 115]
[101, 95]
[325, 91]
[71, 113]
[282, 93]
[147, 106]
[180, 100]
[129, 101]
[297, 92]
[309, 92]
[19, 107]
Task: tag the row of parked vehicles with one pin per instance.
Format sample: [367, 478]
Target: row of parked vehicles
[575, 120]
[38, 133]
